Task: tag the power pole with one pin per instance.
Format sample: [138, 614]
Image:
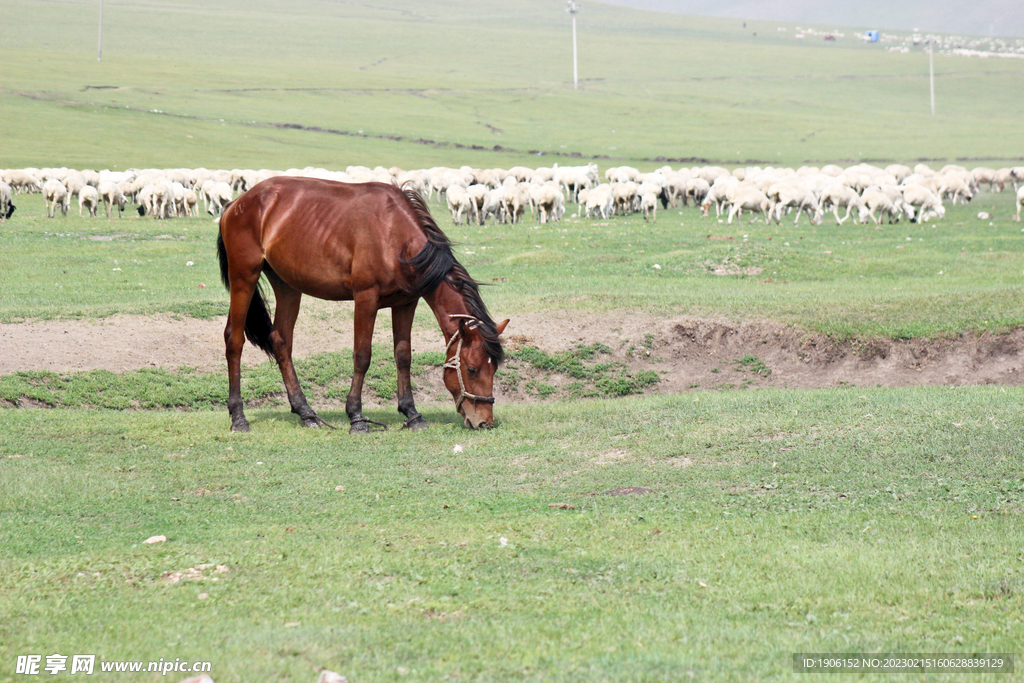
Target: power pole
[931, 73]
[575, 70]
[99, 47]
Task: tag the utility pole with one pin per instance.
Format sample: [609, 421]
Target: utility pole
[931, 73]
[99, 47]
[575, 71]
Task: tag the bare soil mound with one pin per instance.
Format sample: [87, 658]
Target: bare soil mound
[688, 353]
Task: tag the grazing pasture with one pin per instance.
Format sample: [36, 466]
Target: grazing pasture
[246, 84]
[699, 534]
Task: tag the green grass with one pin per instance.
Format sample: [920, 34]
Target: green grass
[211, 85]
[776, 522]
[851, 281]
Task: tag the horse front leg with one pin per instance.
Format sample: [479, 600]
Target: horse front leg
[401, 327]
[365, 317]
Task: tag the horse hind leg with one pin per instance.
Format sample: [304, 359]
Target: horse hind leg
[288, 300]
[401, 327]
[234, 339]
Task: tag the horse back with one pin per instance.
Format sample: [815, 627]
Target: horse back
[325, 238]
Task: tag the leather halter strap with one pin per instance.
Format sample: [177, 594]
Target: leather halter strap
[455, 362]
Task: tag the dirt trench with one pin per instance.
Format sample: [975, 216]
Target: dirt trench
[688, 353]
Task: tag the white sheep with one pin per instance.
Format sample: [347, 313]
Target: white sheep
[793, 195]
[599, 201]
[220, 195]
[623, 194]
[459, 201]
[838, 195]
[649, 205]
[750, 198]
[876, 200]
[925, 201]
[111, 194]
[55, 194]
[6, 201]
[23, 181]
[549, 202]
[88, 198]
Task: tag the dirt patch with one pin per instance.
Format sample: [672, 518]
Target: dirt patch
[687, 353]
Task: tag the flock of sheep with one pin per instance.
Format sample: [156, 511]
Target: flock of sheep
[893, 192]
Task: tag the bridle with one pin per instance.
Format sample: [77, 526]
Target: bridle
[455, 362]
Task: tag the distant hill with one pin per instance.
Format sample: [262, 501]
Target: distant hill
[983, 17]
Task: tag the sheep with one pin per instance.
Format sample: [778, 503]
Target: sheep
[88, 197]
[191, 204]
[161, 200]
[23, 181]
[793, 195]
[458, 200]
[55, 194]
[478, 195]
[1020, 202]
[623, 195]
[876, 200]
[599, 200]
[111, 194]
[513, 202]
[717, 194]
[549, 202]
[220, 195]
[748, 197]
[955, 186]
[922, 197]
[986, 175]
[6, 201]
[74, 182]
[840, 195]
[696, 189]
[649, 205]
[1016, 176]
[492, 205]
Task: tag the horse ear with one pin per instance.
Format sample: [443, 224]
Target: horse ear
[501, 326]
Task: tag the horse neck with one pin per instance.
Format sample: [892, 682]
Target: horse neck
[446, 301]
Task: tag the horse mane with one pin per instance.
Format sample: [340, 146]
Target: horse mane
[436, 263]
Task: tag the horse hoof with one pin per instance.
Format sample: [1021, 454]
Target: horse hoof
[240, 426]
[359, 428]
[315, 421]
[416, 424]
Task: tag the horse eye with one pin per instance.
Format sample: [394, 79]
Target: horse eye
[472, 371]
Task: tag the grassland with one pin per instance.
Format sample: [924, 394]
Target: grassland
[769, 521]
[209, 85]
[775, 522]
[897, 281]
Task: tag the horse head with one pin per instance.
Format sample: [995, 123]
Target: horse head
[469, 372]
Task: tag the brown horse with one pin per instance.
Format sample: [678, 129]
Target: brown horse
[371, 243]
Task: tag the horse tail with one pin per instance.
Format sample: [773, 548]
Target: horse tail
[258, 325]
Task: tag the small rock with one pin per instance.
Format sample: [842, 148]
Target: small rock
[657, 267]
[983, 215]
[331, 677]
[339, 488]
[457, 449]
[189, 263]
[155, 539]
[201, 286]
[502, 542]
